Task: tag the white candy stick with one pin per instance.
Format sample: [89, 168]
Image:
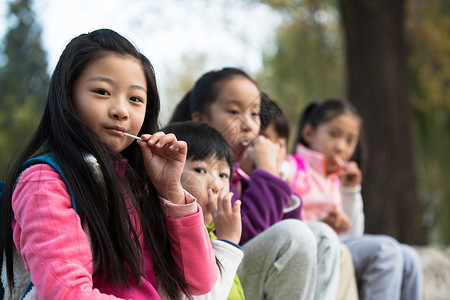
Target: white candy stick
[132, 136]
[339, 161]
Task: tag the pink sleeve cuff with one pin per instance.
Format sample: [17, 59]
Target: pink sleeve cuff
[177, 211]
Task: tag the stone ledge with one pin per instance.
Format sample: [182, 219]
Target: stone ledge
[436, 271]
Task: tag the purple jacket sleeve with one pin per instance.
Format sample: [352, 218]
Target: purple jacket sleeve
[263, 198]
[294, 209]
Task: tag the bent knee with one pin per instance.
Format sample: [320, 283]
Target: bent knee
[299, 236]
[326, 237]
[385, 248]
[411, 259]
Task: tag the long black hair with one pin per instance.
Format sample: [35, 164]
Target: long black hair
[114, 241]
[317, 113]
[204, 93]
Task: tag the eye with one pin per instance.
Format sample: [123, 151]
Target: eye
[233, 112]
[102, 92]
[255, 114]
[200, 170]
[333, 133]
[224, 175]
[136, 99]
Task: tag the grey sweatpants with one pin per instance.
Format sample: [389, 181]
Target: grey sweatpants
[280, 263]
[328, 261]
[385, 269]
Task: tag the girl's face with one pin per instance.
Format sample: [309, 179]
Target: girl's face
[201, 175]
[336, 139]
[235, 113]
[272, 135]
[110, 97]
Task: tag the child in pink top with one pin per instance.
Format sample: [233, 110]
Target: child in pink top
[275, 126]
[330, 184]
[135, 234]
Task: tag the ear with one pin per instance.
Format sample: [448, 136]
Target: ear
[307, 133]
[198, 116]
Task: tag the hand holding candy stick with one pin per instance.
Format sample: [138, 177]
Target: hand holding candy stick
[350, 174]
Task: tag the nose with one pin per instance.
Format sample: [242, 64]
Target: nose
[246, 122]
[118, 109]
[340, 146]
[214, 184]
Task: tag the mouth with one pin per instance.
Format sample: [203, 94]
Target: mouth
[116, 130]
[245, 142]
[339, 161]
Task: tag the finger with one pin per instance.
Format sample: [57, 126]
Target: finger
[352, 167]
[237, 207]
[257, 140]
[226, 202]
[212, 201]
[154, 138]
[146, 152]
[162, 139]
[220, 199]
[145, 137]
[179, 146]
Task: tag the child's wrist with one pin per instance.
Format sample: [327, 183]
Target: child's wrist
[269, 168]
[175, 195]
[229, 237]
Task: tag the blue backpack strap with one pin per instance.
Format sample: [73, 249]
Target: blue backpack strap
[29, 287]
[49, 158]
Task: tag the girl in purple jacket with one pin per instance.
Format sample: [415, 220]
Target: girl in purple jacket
[229, 100]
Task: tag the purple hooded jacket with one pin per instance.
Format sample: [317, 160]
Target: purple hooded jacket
[264, 198]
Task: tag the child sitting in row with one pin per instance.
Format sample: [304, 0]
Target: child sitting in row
[114, 222]
[207, 175]
[275, 126]
[329, 183]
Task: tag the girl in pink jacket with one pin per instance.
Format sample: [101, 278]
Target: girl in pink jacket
[329, 183]
[123, 227]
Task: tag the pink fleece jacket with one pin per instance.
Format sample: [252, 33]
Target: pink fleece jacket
[320, 192]
[55, 248]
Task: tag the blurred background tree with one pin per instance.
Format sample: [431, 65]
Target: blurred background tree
[23, 80]
[192, 66]
[377, 84]
[308, 63]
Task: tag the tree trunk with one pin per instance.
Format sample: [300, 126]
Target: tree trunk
[377, 86]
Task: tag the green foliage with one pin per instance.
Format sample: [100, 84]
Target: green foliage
[25, 71]
[429, 62]
[18, 122]
[308, 64]
[23, 80]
